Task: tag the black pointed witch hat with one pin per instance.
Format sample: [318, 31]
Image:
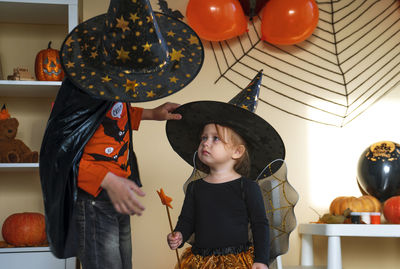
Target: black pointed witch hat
[263, 141]
[132, 53]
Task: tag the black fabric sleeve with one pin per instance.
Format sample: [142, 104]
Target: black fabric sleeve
[186, 219]
[258, 221]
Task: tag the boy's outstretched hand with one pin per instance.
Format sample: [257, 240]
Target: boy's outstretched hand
[163, 112]
[174, 240]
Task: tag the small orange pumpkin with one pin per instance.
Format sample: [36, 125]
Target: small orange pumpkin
[391, 209]
[24, 229]
[364, 203]
[48, 65]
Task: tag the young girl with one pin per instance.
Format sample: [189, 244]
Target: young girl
[235, 145]
[215, 210]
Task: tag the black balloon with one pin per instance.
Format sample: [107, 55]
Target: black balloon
[252, 7]
[378, 171]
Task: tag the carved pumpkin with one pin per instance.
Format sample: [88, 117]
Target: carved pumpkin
[24, 229]
[391, 209]
[48, 65]
[364, 203]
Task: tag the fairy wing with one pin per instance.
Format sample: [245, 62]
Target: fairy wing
[280, 199]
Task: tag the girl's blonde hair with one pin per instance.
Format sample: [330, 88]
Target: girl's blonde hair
[231, 138]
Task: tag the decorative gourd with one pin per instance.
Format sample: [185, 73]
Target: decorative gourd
[48, 65]
[391, 209]
[24, 229]
[364, 203]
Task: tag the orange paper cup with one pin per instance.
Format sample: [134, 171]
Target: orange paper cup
[375, 218]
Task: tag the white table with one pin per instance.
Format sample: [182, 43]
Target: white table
[334, 232]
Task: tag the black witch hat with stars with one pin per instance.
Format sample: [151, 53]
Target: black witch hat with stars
[132, 54]
[263, 141]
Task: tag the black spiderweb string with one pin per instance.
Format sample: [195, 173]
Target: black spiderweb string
[349, 63]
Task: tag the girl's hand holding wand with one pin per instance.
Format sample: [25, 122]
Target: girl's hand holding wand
[174, 240]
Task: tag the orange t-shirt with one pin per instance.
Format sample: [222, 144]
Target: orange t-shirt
[107, 150]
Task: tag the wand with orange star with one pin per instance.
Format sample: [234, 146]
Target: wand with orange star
[165, 200]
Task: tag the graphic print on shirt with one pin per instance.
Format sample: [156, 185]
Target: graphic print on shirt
[112, 131]
[99, 157]
[116, 110]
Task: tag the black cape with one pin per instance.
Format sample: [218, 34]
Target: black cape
[74, 118]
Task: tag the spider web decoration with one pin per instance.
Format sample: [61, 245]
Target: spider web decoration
[348, 63]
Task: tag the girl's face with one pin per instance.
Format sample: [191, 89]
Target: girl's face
[212, 151]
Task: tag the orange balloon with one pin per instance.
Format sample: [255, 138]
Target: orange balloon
[216, 20]
[287, 22]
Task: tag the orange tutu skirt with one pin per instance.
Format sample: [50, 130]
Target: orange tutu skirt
[242, 260]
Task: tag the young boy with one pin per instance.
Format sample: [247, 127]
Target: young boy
[88, 168]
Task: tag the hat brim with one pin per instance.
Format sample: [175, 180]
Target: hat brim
[89, 73]
[263, 141]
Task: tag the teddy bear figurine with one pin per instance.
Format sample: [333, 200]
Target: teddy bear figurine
[13, 150]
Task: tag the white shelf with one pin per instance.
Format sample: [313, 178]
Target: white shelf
[40, 12]
[19, 167]
[24, 249]
[19, 88]
[33, 258]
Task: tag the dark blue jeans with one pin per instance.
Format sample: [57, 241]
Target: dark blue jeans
[104, 234]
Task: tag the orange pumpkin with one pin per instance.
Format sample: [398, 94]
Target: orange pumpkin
[364, 203]
[48, 65]
[24, 229]
[391, 209]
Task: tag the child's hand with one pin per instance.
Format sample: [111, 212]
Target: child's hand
[163, 112]
[174, 240]
[258, 265]
[123, 194]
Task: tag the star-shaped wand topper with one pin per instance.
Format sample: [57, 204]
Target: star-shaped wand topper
[165, 200]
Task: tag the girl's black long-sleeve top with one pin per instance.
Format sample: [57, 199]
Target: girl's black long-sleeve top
[219, 214]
